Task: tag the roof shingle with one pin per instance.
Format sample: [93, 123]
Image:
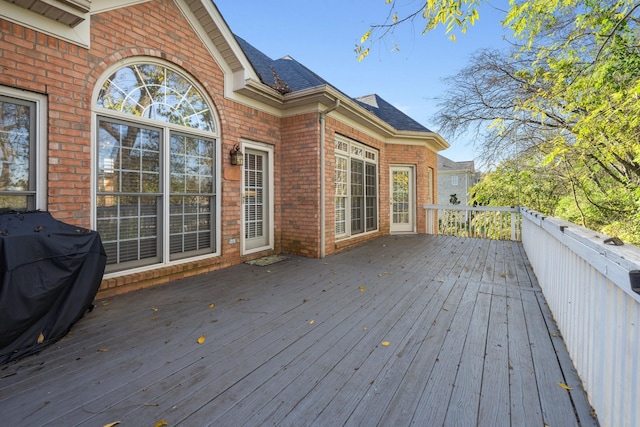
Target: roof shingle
[298, 77]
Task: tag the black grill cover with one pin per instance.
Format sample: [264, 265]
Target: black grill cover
[50, 273]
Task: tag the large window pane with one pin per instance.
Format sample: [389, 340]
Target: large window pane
[128, 185]
[357, 196]
[192, 195]
[190, 224]
[128, 158]
[17, 154]
[128, 228]
[371, 194]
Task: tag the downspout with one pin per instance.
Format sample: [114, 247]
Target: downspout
[323, 197]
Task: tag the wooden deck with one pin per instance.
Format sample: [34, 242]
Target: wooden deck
[302, 342]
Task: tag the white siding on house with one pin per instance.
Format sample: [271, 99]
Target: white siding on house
[455, 178]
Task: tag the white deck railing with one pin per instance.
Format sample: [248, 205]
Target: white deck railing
[498, 223]
[588, 286]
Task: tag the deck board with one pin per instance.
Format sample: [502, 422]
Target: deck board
[471, 342]
[468, 383]
[521, 370]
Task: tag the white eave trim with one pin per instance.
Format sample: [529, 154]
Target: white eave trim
[78, 34]
[316, 98]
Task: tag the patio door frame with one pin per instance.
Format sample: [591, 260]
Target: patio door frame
[268, 212]
[409, 227]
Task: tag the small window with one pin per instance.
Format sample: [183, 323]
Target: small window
[22, 185]
[454, 180]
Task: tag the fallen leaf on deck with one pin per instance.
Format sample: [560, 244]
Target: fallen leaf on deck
[102, 350]
[154, 309]
[201, 339]
[311, 322]
[115, 423]
[161, 423]
[211, 305]
[362, 288]
[105, 303]
[364, 328]
[385, 343]
[40, 338]
[564, 386]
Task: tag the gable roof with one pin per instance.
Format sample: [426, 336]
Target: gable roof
[389, 113]
[445, 164]
[296, 77]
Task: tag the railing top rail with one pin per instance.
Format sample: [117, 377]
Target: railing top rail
[620, 264]
[474, 208]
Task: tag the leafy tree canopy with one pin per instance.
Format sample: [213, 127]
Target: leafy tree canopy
[563, 102]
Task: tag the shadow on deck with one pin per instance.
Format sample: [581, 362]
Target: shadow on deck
[424, 330]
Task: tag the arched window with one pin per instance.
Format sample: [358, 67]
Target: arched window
[157, 167]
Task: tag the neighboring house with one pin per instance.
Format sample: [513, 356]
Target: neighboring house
[188, 149]
[455, 180]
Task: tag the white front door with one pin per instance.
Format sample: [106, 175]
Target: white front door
[402, 199]
[257, 199]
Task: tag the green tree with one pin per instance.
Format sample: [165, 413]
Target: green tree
[567, 95]
[523, 182]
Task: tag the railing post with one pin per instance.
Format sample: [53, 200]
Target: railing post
[513, 226]
[430, 221]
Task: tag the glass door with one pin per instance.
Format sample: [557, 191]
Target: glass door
[256, 200]
[402, 199]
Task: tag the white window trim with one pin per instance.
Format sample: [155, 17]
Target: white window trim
[40, 102]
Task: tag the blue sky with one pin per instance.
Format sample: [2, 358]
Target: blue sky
[323, 35]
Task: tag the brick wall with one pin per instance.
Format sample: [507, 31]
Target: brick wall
[45, 65]
[300, 163]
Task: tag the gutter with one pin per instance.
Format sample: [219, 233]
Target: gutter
[323, 213]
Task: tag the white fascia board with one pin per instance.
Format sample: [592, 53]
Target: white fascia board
[234, 79]
[79, 35]
[431, 140]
